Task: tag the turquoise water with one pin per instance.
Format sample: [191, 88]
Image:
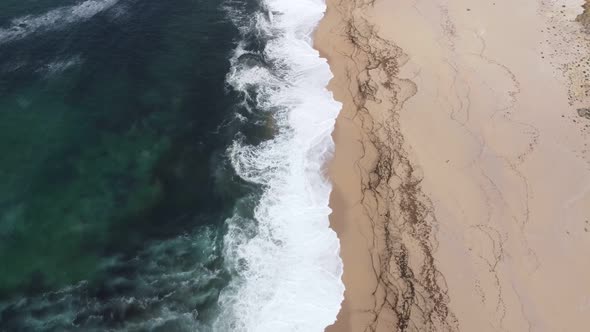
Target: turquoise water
[115, 120]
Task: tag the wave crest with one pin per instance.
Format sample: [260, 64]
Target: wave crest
[58, 18]
[286, 258]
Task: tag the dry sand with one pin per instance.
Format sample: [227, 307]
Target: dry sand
[462, 171]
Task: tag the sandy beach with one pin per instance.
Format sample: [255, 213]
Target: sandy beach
[461, 172]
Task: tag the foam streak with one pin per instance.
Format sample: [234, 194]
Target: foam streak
[25, 26]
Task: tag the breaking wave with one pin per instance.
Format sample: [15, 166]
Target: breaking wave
[284, 258]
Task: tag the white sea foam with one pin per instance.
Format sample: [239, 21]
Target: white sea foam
[58, 18]
[59, 66]
[287, 260]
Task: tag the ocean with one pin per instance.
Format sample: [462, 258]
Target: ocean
[162, 167]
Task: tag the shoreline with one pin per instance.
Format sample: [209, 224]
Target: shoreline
[391, 214]
[441, 197]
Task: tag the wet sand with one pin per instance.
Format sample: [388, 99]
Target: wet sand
[461, 172]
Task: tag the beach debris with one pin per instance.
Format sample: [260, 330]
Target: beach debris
[584, 18]
[584, 113]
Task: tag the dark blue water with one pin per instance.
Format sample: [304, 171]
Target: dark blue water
[115, 120]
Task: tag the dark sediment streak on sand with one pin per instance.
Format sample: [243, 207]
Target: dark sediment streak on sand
[473, 139]
[410, 293]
